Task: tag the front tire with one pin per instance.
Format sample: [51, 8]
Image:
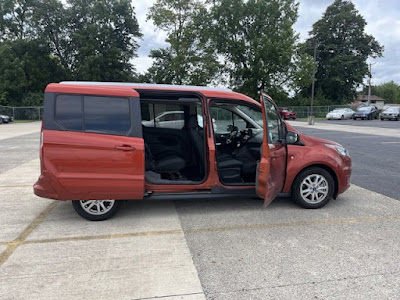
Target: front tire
[96, 210]
[313, 188]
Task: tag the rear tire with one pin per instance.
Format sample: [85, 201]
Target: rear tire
[313, 188]
[97, 210]
[1, 120]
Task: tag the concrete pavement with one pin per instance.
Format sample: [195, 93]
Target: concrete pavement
[49, 252]
[214, 249]
[16, 129]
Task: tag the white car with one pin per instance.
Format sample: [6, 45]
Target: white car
[340, 114]
[173, 119]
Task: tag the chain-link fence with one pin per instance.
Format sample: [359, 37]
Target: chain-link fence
[30, 113]
[317, 111]
[36, 112]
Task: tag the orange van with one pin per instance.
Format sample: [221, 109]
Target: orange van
[102, 143]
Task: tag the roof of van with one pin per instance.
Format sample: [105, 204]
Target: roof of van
[81, 86]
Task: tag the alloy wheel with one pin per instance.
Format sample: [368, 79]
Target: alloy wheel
[97, 207]
[314, 188]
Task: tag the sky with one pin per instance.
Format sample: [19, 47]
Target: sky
[382, 17]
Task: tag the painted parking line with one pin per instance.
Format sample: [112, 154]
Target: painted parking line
[15, 186]
[159, 267]
[22, 239]
[25, 233]
[390, 142]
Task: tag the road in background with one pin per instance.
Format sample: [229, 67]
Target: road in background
[358, 122]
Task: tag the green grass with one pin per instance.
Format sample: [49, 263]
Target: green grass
[24, 121]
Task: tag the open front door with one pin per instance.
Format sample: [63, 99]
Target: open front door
[271, 169]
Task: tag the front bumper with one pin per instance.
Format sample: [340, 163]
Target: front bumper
[335, 117]
[389, 117]
[344, 176]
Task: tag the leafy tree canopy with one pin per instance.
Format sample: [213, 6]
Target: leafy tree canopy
[43, 41]
[189, 59]
[390, 91]
[343, 48]
[257, 41]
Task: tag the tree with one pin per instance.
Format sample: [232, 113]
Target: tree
[44, 41]
[189, 59]
[16, 19]
[26, 67]
[257, 41]
[343, 48]
[390, 91]
[103, 39]
[27, 64]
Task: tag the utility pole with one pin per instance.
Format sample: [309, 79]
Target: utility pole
[369, 84]
[311, 116]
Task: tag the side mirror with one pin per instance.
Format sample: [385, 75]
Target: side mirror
[292, 138]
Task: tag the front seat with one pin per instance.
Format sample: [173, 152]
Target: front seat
[229, 169]
[171, 164]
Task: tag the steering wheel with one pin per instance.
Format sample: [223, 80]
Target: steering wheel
[246, 135]
[232, 135]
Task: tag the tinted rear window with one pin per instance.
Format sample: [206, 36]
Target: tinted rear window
[69, 112]
[106, 115]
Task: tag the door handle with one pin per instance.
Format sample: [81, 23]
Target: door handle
[125, 148]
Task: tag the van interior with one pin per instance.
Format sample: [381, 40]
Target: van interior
[175, 149]
[175, 142]
[238, 134]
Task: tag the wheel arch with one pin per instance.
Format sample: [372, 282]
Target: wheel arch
[326, 168]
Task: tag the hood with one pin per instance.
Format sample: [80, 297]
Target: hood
[310, 139]
[315, 140]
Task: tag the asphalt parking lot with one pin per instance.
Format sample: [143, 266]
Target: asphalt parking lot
[221, 249]
[366, 123]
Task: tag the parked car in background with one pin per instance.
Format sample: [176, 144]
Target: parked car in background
[287, 113]
[173, 119]
[366, 112]
[392, 113]
[6, 119]
[340, 114]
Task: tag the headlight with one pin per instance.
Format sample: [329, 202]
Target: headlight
[342, 151]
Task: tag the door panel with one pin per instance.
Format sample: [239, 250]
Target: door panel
[94, 166]
[271, 169]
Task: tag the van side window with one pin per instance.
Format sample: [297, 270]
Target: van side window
[107, 115]
[69, 112]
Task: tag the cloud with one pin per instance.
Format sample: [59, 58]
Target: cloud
[382, 18]
[153, 38]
